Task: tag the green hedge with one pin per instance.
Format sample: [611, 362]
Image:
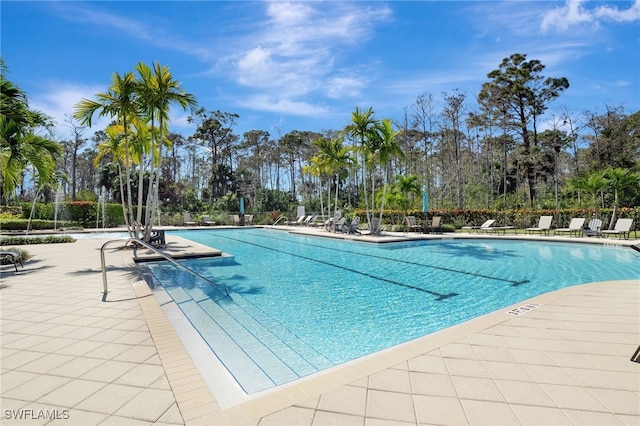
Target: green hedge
[70, 213]
[49, 239]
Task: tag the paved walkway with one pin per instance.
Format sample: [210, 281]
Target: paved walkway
[67, 357]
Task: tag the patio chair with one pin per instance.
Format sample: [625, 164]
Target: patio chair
[206, 220]
[235, 219]
[339, 226]
[412, 224]
[544, 226]
[353, 226]
[186, 219]
[158, 238]
[248, 219]
[575, 227]
[593, 228]
[14, 257]
[436, 225]
[622, 229]
[329, 223]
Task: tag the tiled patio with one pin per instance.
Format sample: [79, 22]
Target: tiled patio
[67, 357]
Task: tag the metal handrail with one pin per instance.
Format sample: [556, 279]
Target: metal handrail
[155, 250]
[278, 219]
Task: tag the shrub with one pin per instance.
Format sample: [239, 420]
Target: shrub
[49, 239]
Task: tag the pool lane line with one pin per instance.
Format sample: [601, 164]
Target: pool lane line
[514, 283]
[439, 297]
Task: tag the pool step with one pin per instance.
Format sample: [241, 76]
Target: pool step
[258, 351]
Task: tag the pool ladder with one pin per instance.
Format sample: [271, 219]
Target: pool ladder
[156, 251]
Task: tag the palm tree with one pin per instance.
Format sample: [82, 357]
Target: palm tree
[361, 128]
[158, 90]
[119, 102]
[593, 184]
[19, 143]
[338, 158]
[332, 158]
[385, 147]
[315, 168]
[114, 148]
[618, 180]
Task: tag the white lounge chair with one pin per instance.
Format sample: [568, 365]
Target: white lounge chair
[310, 220]
[476, 228]
[544, 226]
[298, 221]
[487, 226]
[575, 227]
[622, 228]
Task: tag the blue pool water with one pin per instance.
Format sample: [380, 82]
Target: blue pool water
[300, 304]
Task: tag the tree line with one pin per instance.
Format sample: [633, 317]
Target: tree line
[505, 150]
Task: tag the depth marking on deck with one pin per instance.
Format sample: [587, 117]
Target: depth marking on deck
[523, 309]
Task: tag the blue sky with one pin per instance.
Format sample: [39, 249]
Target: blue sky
[286, 66]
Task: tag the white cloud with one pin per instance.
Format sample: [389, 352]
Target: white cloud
[264, 102]
[58, 102]
[575, 12]
[295, 50]
[345, 86]
[617, 15]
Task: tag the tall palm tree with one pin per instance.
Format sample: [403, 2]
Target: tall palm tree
[618, 180]
[119, 102]
[338, 158]
[315, 168]
[361, 128]
[385, 147]
[158, 90]
[114, 148]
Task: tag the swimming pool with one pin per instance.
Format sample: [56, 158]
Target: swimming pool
[301, 304]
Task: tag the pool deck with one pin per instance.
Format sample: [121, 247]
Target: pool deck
[67, 357]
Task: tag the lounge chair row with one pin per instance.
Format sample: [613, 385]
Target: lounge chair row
[576, 227]
[309, 220]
